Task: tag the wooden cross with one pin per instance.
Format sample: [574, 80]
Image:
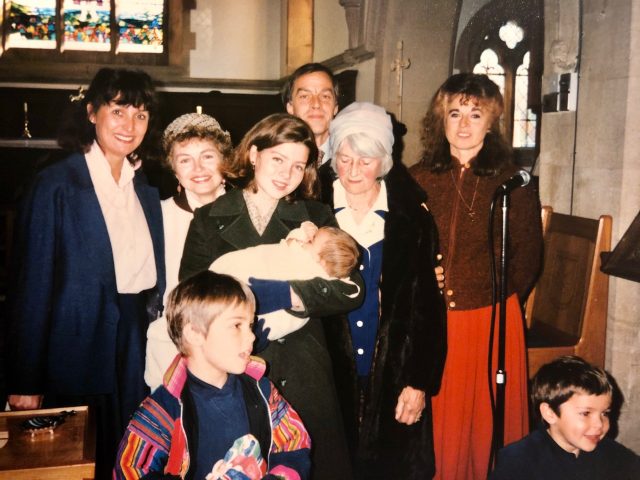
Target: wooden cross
[398, 66]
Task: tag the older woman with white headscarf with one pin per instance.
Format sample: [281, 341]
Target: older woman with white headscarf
[398, 336]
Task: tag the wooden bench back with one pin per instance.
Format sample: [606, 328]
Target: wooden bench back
[567, 314]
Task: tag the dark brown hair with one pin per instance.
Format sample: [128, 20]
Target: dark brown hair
[496, 152]
[270, 132]
[557, 381]
[307, 68]
[122, 86]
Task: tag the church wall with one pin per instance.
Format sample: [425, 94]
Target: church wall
[601, 177]
[236, 40]
[608, 161]
[330, 34]
[425, 29]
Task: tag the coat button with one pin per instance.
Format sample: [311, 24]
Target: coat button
[282, 382]
[361, 351]
[452, 304]
[449, 292]
[325, 290]
[359, 323]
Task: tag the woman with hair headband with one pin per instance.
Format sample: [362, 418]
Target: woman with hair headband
[465, 160]
[90, 266]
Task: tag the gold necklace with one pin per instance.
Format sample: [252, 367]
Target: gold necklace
[470, 210]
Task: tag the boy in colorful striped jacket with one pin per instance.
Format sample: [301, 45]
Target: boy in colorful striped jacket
[215, 416]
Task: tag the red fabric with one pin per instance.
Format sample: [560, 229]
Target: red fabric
[462, 418]
[177, 452]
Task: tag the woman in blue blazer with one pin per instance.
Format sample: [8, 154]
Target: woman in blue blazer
[90, 266]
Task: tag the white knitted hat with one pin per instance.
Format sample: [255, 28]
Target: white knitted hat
[190, 120]
[361, 117]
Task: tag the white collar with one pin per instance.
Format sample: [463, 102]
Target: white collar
[100, 168]
[340, 197]
[192, 200]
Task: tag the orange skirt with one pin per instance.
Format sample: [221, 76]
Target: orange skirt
[462, 417]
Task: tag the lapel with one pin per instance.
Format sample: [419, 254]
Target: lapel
[85, 209]
[231, 218]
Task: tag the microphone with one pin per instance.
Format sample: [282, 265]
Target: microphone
[520, 179]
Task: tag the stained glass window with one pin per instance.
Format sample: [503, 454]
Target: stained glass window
[32, 24]
[524, 120]
[87, 25]
[140, 25]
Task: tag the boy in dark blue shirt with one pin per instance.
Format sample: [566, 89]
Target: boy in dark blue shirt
[574, 399]
[215, 416]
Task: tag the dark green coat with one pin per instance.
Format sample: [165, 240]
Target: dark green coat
[299, 364]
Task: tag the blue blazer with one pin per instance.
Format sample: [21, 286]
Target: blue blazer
[65, 307]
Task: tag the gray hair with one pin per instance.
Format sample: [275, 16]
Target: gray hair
[366, 146]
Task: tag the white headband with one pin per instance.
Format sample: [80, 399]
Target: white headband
[361, 117]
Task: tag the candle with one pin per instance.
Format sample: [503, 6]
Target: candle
[26, 108]
[199, 110]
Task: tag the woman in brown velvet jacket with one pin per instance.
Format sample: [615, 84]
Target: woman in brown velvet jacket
[465, 160]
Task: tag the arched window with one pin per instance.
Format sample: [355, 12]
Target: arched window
[504, 39]
[524, 119]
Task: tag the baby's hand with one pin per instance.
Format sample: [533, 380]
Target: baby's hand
[302, 234]
[310, 229]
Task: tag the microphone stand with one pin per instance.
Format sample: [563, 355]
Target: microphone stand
[501, 374]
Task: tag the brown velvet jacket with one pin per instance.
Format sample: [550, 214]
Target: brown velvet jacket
[464, 234]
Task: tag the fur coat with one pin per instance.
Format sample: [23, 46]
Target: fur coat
[410, 346]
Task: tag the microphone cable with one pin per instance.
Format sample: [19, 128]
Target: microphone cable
[494, 274]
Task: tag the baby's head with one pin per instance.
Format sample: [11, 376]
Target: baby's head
[574, 399]
[336, 251]
[199, 300]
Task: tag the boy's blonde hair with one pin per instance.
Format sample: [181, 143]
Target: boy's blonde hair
[199, 300]
[340, 253]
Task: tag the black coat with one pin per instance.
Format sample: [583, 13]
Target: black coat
[411, 342]
[299, 363]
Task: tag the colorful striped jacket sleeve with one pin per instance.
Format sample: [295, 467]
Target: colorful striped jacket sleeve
[145, 448]
[290, 456]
